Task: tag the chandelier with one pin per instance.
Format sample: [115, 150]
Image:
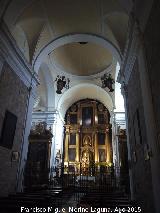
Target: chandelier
[62, 82]
[107, 81]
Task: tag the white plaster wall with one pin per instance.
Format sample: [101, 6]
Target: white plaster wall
[119, 101]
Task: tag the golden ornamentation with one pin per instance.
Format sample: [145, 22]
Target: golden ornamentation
[87, 146]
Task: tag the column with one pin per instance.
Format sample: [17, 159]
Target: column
[108, 148]
[77, 146]
[96, 147]
[66, 146]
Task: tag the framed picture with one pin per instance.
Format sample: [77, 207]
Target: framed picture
[8, 130]
[87, 116]
[137, 128]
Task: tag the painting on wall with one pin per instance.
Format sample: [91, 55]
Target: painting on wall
[8, 130]
[72, 140]
[72, 154]
[14, 156]
[137, 128]
[87, 116]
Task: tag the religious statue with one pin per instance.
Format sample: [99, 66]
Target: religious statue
[58, 163]
[107, 81]
[58, 157]
[41, 129]
[62, 82]
[85, 161]
[87, 155]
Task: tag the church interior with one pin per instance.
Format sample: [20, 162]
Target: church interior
[79, 106]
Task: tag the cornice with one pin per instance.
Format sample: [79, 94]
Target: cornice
[50, 117]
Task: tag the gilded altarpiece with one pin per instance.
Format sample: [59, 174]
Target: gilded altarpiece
[87, 138]
[38, 160]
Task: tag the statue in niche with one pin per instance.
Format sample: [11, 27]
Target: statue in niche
[87, 155]
[87, 141]
[85, 161]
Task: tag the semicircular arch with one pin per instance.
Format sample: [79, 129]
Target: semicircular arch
[83, 91]
[70, 38]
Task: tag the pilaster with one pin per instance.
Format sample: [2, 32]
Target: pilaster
[77, 147]
[96, 147]
[66, 159]
[108, 147]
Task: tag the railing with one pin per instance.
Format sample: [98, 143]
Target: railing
[102, 179]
